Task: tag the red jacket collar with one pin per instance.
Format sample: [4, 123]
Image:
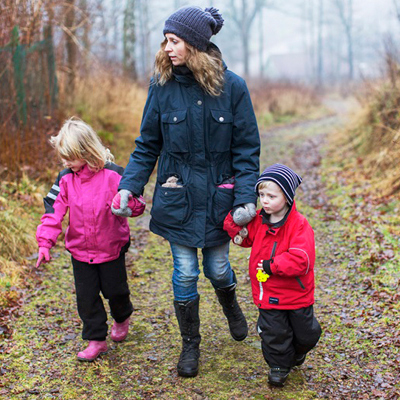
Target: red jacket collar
[273, 228]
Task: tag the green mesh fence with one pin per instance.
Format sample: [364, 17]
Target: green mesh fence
[28, 82]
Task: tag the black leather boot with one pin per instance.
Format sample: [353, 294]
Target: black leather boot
[277, 376]
[187, 313]
[236, 320]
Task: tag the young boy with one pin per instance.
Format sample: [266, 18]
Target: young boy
[281, 270]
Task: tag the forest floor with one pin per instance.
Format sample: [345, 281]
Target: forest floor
[357, 304]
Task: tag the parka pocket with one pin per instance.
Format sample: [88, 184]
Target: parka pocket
[220, 134]
[223, 201]
[170, 206]
[175, 131]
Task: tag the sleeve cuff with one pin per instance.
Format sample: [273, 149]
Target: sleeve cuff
[267, 266]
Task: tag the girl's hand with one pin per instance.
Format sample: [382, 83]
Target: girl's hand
[44, 256]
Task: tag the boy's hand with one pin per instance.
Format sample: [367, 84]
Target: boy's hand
[120, 202]
[44, 256]
[265, 265]
[242, 215]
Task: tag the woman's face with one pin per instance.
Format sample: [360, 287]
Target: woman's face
[176, 49]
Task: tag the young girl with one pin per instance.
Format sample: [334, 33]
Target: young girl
[96, 239]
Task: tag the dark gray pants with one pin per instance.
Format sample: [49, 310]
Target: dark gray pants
[110, 279]
[287, 333]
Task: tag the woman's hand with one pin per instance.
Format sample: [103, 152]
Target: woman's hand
[120, 202]
[44, 256]
[243, 214]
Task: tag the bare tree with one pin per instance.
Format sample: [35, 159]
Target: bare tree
[69, 29]
[243, 13]
[84, 25]
[345, 13]
[396, 4]
[320, 44]
[144, 32]
[129, 40]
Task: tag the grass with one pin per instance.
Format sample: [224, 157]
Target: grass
[373, 138]
[280, 103]
[19, 215]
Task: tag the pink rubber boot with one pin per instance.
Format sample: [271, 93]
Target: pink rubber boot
[95, 348]
[119, 330]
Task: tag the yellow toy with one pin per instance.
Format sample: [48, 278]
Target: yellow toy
[262, 276]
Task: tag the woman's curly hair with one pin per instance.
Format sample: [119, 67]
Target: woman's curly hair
[207, 67]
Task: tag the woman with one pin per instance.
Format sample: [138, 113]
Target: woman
[199, 123]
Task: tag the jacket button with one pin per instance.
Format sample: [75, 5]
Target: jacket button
[91, 260]
[221, 119]
[199, 102]
[175, 119]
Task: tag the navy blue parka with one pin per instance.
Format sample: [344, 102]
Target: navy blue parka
[203, 140]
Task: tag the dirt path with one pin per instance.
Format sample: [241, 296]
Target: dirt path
[39, 360]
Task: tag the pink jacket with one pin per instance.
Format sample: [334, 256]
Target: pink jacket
[94, 235]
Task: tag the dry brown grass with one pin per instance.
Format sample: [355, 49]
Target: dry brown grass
[113, 105]
[19, 216]
[372, 140]
[282, 102]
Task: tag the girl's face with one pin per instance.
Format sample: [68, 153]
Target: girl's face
[75, 165]
[273, 201]
[176, 49]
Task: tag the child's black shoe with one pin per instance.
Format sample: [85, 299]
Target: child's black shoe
[277, 376]
[300, 358]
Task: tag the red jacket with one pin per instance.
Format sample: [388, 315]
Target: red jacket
[291, 285]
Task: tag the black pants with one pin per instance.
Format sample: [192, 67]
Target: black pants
[110, 279]
[287, 333]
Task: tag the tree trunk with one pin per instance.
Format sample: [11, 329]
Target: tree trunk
[85, 34]
[70, 44]
[320, 49]
[129, 40]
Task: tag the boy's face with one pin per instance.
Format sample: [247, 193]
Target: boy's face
[272, 200]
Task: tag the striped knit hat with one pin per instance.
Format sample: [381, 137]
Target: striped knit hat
[283, 176]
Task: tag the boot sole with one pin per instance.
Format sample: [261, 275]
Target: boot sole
[239, 339]
[187, 374]
[276, 384]
[92, 359]
[119, 340]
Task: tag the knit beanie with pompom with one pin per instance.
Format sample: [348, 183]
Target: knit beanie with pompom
[194, 25]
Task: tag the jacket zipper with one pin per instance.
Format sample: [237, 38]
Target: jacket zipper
[300, 283]
[270, 257]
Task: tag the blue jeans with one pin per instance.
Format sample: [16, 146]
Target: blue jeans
[216, 268]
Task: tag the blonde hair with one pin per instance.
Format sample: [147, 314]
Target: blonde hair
[265, 184]
[78, 141]
[207, 67]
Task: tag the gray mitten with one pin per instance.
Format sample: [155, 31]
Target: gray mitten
[244, 214]
[119, 205]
